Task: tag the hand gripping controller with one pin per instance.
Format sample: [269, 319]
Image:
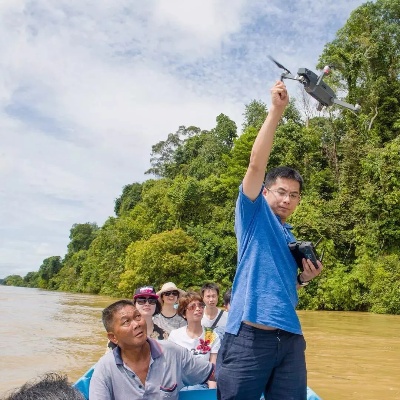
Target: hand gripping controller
[302, 250]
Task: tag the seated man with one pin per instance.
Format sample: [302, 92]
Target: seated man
[140, 367]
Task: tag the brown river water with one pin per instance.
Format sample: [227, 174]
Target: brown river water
[349, 355]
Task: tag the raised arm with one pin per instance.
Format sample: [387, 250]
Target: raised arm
[263, 144]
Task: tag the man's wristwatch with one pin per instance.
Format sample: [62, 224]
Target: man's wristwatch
[300, 282]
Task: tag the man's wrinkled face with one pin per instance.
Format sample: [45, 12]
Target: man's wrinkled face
[283, 197]
[128, 328]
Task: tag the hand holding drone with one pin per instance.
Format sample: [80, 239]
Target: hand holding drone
[316, 87]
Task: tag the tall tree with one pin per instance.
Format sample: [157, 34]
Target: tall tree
[254, 115]
[162, 257]
[163, 155]
[49, 268]
[131, 195]
[81, 236]
[366, 55]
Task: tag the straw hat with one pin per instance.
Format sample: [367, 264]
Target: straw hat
[167, 287]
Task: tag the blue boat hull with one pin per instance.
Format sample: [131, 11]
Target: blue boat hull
[83, 383]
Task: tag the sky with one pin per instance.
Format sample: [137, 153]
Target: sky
[87, 87]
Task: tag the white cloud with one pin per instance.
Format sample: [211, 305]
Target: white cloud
[88, 87]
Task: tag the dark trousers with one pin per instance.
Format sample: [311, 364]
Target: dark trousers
[257, 361]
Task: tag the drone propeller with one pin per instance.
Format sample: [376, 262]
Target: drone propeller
[279, 65]
[316, 87]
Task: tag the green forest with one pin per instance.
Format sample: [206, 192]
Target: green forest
[179, 225]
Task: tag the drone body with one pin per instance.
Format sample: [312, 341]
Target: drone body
[319, 90]
[315, 86]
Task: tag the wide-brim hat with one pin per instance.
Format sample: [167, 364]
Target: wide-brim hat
[148, 291]
[167, 287]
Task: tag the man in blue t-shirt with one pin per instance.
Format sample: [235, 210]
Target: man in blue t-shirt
[264, 350]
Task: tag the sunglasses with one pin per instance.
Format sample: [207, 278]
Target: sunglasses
[143, 300]
[171, 293]
[193, 306]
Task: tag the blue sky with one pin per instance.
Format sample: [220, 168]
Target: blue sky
[87, 87]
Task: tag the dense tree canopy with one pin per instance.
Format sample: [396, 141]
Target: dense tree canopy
[179, 226]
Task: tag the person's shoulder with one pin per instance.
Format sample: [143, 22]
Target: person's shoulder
[158, 317]
[104, 363]
[169, 347]
[178, 317]
[242, 196]
[180, 329]
[107, 357]
[205, 321]
[224, 315]
[177, 331]
[166, 344]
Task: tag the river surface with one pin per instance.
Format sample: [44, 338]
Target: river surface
[349, 355]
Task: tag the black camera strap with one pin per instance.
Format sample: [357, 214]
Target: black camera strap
[216, 321]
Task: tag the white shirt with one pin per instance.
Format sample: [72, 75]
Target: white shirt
[207, 323]
[197, 346]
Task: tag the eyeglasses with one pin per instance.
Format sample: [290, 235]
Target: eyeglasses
[193, 306]
[171, 293]
[282, 194]
[143, 300]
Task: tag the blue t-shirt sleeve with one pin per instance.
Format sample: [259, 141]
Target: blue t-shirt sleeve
[245, 213]
[246, 208]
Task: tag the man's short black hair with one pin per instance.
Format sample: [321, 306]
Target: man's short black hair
[282, 172]
[209, 286]
[227, 297]
[108, 312]
[51, 386]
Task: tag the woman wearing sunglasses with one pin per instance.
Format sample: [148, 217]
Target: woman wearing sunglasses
[200, 341]
[146, 302]
[168, 318]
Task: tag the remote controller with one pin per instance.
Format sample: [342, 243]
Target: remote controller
[302, 250]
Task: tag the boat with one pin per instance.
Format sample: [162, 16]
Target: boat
[83, 383]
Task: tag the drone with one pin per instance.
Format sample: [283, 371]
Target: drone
[316, 87]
